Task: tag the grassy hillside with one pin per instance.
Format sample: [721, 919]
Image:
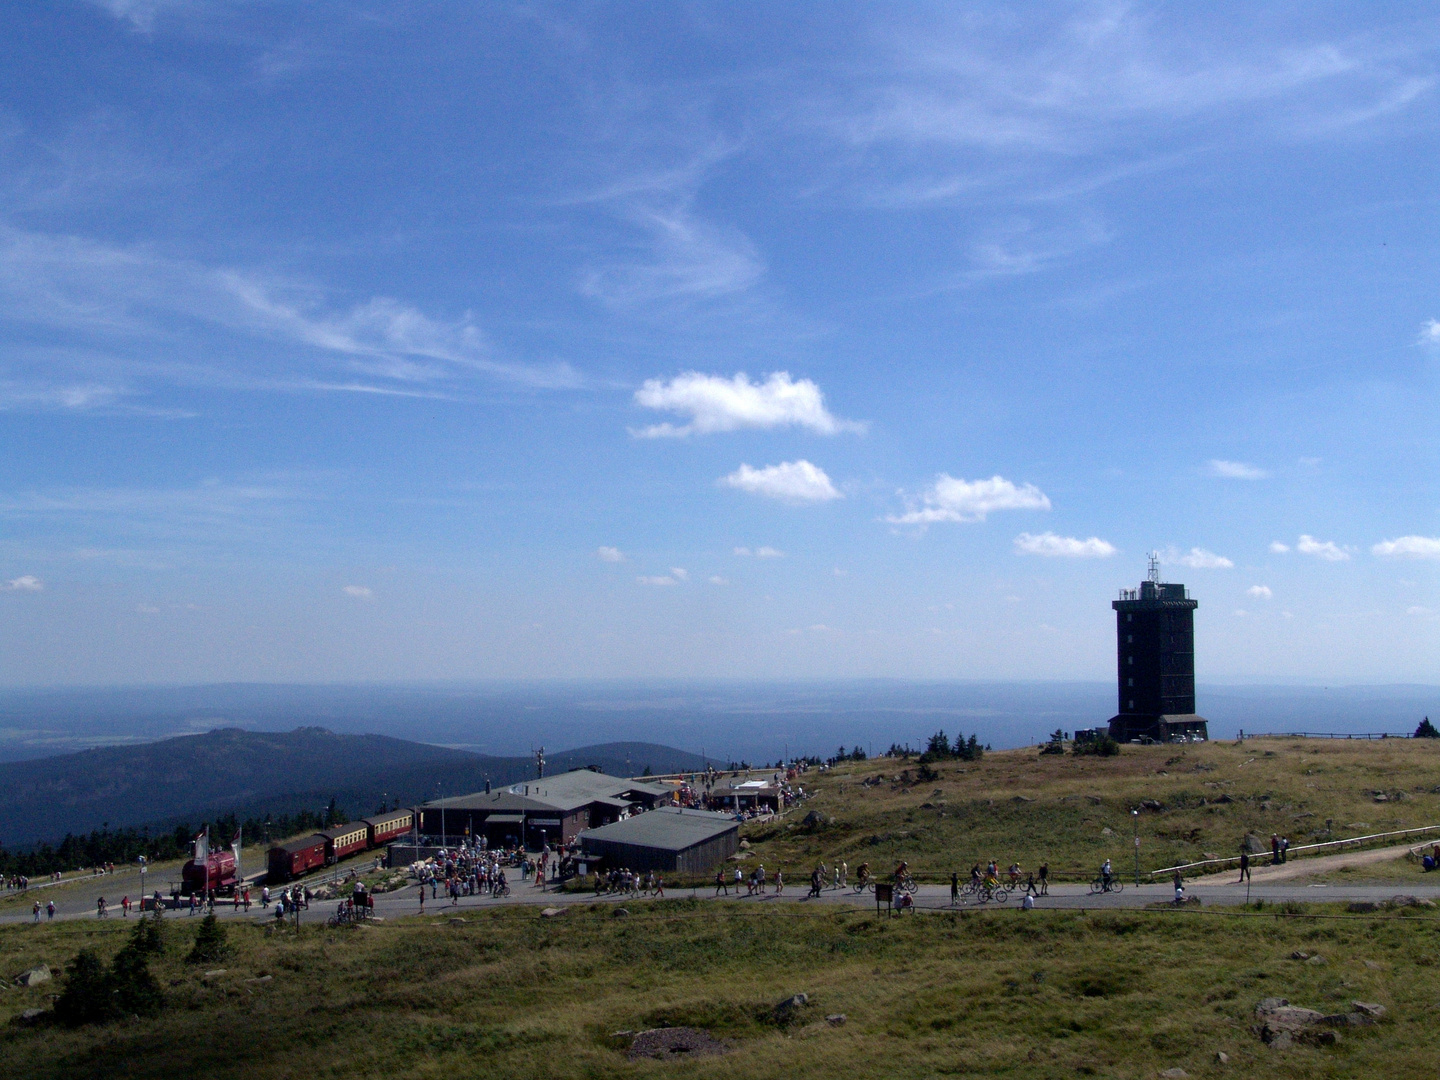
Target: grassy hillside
[1022, 806]
[1038, 994]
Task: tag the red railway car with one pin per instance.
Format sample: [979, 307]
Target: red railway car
[386, 827]
[289, 861]
[345, 840]
[220, 877]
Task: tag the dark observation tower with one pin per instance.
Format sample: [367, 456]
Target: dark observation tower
[1155, 647]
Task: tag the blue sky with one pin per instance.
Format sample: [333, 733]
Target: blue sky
[406, 341]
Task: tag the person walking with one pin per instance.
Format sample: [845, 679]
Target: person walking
[954, 888]
[844, 873]
[1244, 866]
[125, 906]
[779, 881]
[739, 880]
[1044, 873]
[422, 897]
[49, 909]
[1284, 848]
[1179, 889]
[37, 911]
[1274, 849]
[721, 885]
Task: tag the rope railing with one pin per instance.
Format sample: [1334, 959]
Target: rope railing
[1230, 860]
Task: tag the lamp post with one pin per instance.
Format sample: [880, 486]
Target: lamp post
[1135, 816]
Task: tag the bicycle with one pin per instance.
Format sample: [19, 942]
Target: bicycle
[987, 892]
[905, 884]
[1099, 886]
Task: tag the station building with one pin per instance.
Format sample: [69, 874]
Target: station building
[551, 810]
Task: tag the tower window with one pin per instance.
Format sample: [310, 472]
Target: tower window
[1131, 705]
[1129, 639]
[1129, 682]
[1130, 660]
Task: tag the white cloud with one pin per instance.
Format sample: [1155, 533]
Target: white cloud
[949, 499]
[1430, 332]
[714, 404]
[1235, 470]
[147, 609]
[609, 554]
[1417, 609]
[718, 580]
[1197, 559]
[1277, 548]
[678, 574]
[1409, 547]
[1321, 549]
[1260, 592]
[657, 579]
[25, 583]
[760, 553]
[1063, 547]
[790, 481]
[360, 592]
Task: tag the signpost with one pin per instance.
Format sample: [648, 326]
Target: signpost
[884, 894]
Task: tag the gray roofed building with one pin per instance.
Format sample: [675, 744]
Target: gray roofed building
[683, 841]
[550, 810]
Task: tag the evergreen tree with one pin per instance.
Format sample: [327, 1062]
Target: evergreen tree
[148, 937]
[133, 990]
[1427, 730]
[86, 997]
[210, 944]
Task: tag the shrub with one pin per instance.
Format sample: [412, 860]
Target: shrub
[1056, 745]
[132, 988]
[1101, 746]
[1427, 730]
[210, 944]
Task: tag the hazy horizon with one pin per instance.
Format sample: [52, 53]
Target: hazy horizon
[758, 721]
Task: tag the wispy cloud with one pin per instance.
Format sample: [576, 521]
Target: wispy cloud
[790, 481]
[1409, 547]
[949, 499]
[759, 553]
[610, 554]
[127, 300]
[1052, 546]
[675, 577]
[1278, 548]
[687, 258]
[1430, 332]
[24, 583]
[360, 592]
[1259, 592]
[1234, 470]
[716, 404]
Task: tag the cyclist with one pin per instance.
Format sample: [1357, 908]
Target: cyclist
[1106, 875]
[901, 871]
[862, 876]
[975, 876]
[1014, 873]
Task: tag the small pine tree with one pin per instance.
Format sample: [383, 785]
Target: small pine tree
[148, 938]
[1427, 730]
[133, 990]
[858, 754]
[210, 944]
[86, 997]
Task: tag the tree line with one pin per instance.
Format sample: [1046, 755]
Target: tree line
[106, 845]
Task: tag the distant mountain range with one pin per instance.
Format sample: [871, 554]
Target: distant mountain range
[230, 770]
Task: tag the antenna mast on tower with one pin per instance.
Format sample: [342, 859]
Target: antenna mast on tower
[1155, 567]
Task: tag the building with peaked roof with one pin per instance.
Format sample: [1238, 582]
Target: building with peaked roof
[670, 839]
[551, 810]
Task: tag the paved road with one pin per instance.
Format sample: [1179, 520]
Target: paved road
[930, 897]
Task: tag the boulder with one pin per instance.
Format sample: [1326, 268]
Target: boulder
[551, 912]
[1372, 1009]
[1280, 1024]
[619, 913]
[788, 1009]
[31, 1016]
[34, 976]
[814, 819]
[1362, 907]
[1176, 1073]
[1222, 1058]
[1156, 805]
[838, 1019]
[744, 845]
[1317, 959]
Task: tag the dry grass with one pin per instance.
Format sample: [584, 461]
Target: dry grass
[1021, 806]
[1039, 994]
